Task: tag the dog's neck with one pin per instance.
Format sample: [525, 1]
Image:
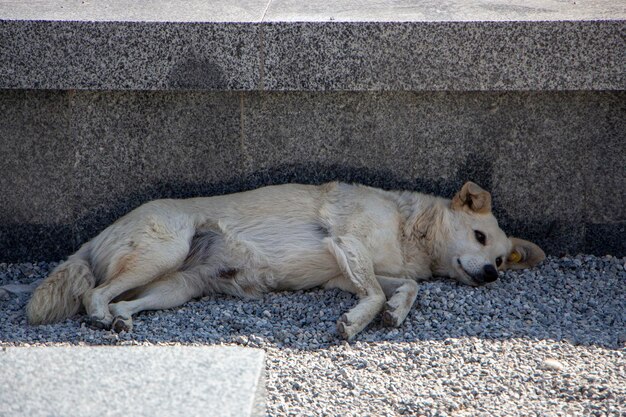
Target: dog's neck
[423, 227]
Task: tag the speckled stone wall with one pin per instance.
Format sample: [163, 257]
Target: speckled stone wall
[313, 56]
[74, 161]
[444, 56]
[128, 56]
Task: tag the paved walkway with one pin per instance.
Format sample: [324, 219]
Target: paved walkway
[131, 381]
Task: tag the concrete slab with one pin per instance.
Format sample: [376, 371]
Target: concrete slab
[251, 92]
[442, 10]
[135, 11]
[312, 11]
[67, 156]
[28, 164]
[136, 147]
[133, 381]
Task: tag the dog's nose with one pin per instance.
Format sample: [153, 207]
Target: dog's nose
[490, 273]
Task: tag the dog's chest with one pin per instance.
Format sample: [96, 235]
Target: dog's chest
[386, 252]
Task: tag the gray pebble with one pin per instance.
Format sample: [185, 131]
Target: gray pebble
[462, 350]
[553, 365]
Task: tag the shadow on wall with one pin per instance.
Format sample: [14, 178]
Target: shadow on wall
[197, 73]
[313, 173]
[53, 242]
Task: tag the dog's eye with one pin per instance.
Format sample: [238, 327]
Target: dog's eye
[480, 237]
[498, 261]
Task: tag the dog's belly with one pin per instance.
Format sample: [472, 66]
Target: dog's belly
[302, 269]
[290, 260]
[265, 255]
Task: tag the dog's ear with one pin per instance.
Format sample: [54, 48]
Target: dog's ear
[524, 254]
[473, 198]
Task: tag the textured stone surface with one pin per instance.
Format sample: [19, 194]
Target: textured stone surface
[36, 175]
[316, 10]
[525, 52]
[390, 140]
[442, 10]
[135, 11]
[137, 147]
[539, 175]
[554, 161]
[128, 55]
[604, 165]
[138, 381]
[445, 56]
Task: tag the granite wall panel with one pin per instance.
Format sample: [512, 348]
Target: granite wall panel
[74, 161]
[134, 147]
[36, 175]
[444, 56]
[129, 55]
[481, 55]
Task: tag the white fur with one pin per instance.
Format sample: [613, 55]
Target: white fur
[371, 242]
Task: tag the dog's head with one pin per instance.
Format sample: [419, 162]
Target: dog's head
[477, 248]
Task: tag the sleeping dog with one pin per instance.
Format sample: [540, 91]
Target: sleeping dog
[373, 243]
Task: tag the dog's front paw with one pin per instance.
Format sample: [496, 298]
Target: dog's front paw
[121, 324]
[391, 317]
[344, 327]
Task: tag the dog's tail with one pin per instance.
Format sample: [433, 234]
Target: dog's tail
[60, 295]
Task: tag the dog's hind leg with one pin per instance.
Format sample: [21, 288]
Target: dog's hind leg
[168, 292]
[155, 258]
[401, 294]
[357, 267]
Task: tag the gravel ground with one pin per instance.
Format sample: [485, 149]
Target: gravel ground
[546, 341]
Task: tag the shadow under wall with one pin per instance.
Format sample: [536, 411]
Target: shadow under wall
[55, 242]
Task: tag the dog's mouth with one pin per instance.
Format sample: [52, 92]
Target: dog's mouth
[469, 278]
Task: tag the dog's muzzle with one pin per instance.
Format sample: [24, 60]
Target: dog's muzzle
[487, 275]
[490, 272]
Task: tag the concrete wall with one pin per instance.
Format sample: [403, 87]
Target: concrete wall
[73, 161]
[106, 105]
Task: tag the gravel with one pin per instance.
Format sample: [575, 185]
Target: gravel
[546, 341]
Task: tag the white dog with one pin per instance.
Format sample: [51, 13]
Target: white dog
[371, 242]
